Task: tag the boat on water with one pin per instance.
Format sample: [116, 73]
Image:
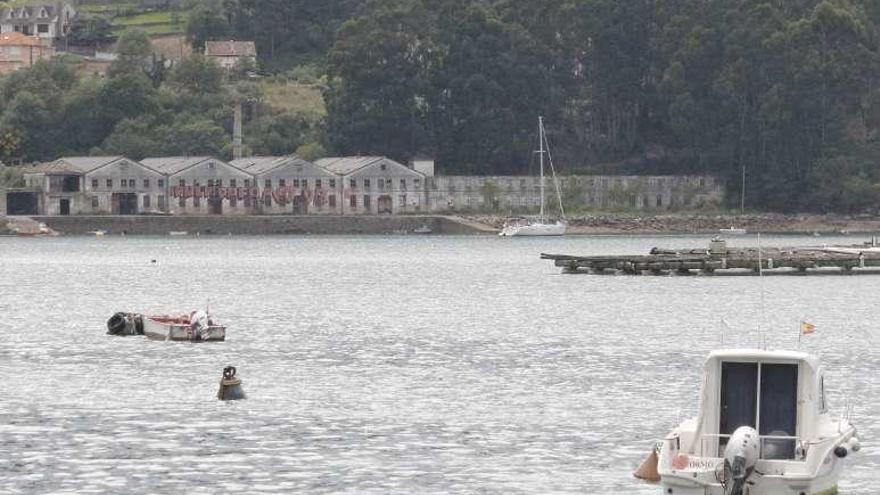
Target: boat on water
[733, 231]
[178, 232]
[39, 230]
[198, 326]
[539, 226]
[424, 229]
[98, 233]
[526, 227]
[763, 428]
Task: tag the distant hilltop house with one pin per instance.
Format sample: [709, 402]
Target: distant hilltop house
[18, 51]
[47, 20]
[230, 53]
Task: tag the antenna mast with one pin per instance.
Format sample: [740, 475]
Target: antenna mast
[541, 151]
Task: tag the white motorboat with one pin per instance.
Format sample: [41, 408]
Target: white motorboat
[763, 428]
[539, 226]
[195, 327]
[190, 328]
[733, 231]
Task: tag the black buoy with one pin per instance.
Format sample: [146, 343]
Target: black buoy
[230, 386]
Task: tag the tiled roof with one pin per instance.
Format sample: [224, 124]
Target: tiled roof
[88, 163]
[261, 164]
[230, 49]
[347, 164]
[18, 39]
[29, 13]
[173, 164]
[49, 168]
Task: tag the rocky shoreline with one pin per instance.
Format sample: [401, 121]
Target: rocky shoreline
[769, 223]
[597, 224]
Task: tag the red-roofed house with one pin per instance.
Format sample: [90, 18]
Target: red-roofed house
[229, 53]
[18, 51]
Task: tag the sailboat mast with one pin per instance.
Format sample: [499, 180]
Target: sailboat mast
[541, 151]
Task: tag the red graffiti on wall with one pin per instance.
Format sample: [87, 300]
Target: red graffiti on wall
[280, 195]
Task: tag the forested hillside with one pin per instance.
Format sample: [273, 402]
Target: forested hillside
[785, 90]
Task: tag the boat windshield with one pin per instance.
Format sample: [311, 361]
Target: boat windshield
[762, 396]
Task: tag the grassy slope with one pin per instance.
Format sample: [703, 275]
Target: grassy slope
[126, 15]
[292, 96]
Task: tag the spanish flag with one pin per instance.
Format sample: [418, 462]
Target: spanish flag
[807, 328]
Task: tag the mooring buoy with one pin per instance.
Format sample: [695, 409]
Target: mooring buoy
[230, 386]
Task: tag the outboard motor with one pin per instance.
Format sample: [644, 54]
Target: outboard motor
[740, 456]
[125, 324]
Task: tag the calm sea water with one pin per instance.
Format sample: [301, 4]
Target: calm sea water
[387, 364]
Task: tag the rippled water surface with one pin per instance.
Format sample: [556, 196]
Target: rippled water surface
[387, 364]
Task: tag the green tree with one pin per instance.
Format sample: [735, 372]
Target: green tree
[376, 100]
[133, 52]
[207, 24]
[197, 74]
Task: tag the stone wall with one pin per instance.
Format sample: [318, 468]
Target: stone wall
[258, 224]
[522, 193]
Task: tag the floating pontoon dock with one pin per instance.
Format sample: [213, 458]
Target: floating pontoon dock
[721, 258]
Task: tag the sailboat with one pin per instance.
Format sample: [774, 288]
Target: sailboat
[742, 208]
[541, 226]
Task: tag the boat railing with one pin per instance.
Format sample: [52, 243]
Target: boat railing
[772, 447]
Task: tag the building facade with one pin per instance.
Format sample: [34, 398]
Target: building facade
[18, 51]
[119, 186]
[100, 185]
[293, 186]
[377, 185]
[600, 192]
[47, 20]
[288, 185]
[204, 185]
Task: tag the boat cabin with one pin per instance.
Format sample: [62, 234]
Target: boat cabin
[778, 393]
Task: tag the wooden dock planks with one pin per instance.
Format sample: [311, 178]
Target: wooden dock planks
[720, 258]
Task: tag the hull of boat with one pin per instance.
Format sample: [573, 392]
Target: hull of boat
[538, 229]
[765, 485]
[164, 329]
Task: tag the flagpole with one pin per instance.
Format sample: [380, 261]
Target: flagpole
[761, 313]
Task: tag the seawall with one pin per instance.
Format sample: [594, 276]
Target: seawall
[263, 225]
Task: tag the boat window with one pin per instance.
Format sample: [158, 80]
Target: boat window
[739, 394]
[778, 415]
[774, 386]
[822, 405]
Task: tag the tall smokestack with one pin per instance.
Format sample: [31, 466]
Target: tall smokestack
[236, 132]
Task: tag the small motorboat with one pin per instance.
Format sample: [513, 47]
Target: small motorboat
[733, 231]
[178, 233]
[98, 233]
[424, 229]
[764, 428]
[198, 326]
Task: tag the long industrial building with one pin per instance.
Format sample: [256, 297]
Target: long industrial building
[354, 185]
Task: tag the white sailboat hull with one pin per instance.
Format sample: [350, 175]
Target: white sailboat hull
[534, 229]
